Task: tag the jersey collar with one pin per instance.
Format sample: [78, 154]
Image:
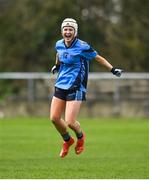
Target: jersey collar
[72, 44]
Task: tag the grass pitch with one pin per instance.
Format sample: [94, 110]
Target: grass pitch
[29, 148]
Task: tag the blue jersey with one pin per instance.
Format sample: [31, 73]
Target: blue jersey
[74, 64]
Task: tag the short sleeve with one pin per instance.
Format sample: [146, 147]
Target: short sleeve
[58, 44]
[88, 52]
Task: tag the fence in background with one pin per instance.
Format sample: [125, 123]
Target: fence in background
[107, 95]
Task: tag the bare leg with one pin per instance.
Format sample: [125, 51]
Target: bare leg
[57, 108]
[71, 113]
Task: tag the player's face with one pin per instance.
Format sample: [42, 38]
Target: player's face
[68, 34]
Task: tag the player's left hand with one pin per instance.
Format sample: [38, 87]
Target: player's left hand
[117, 72]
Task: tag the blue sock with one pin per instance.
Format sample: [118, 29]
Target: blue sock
[66, 137]
[79, 135]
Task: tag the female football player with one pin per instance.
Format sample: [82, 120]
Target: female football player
[72, 61]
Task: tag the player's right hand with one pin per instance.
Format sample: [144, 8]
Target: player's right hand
[55, 69]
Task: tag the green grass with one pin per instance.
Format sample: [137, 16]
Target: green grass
[29, 148]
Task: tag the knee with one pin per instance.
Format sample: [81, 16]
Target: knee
[54, 119]
[70, 125]
[73, 125]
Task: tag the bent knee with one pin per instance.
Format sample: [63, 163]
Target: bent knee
[73, 125]
[70, 125]
[54, 119]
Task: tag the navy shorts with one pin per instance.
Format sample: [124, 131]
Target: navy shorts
[69, 95]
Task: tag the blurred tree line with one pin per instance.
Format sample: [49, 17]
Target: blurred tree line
[117, 29]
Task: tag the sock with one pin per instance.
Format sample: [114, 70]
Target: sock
[66, 137]
[79, 135]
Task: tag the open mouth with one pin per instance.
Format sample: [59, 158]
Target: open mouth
[68, 35]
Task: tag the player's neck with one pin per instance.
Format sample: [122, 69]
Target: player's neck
[68, 43]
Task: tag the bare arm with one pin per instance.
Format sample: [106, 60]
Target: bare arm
[56, 67]
[57, 62]
[103, 62]
[117, 72]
